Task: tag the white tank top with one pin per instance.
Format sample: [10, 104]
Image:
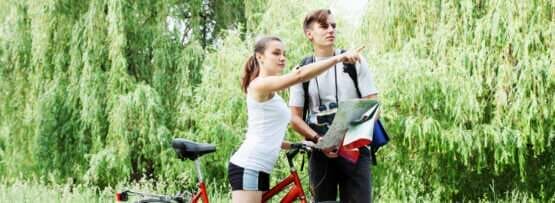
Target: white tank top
[266, 126]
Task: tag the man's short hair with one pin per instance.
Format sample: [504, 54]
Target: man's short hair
[320, 16]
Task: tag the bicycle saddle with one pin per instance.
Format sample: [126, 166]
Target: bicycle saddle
[191, 150]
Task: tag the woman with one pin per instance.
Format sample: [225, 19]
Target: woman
[268, 115]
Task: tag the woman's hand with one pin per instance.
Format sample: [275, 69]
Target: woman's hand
[351, 56]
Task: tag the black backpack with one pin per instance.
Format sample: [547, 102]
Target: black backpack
[347, 68]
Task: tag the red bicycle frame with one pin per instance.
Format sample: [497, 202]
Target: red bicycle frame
[296, 191]
[201, 194]
[191, 150]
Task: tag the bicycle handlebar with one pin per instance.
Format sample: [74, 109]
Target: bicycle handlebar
[299, 146]
[295, 148]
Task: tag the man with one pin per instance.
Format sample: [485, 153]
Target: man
[331, 174]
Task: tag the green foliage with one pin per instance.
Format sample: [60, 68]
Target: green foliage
[65, 192]
[14, 61]
[137, 132]
[254, 10]
[217, 112]
[227, 13]
[68, 192]
[471, 84]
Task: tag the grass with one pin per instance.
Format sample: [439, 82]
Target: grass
[21, 191]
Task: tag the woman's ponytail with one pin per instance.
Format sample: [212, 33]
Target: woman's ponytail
[250, 72]
[252, 67]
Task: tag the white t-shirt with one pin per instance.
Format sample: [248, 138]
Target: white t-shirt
[266, 126]
[325, 87]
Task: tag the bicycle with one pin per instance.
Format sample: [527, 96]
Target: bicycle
[187, 149]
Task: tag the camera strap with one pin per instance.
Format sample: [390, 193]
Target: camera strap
[318, 86]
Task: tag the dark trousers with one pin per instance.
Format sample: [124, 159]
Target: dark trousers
[354, 180]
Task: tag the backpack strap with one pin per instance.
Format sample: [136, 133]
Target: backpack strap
[352, 71]
[306, 60]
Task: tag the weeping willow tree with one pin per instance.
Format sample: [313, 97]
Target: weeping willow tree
[95, 90]
[469, 89]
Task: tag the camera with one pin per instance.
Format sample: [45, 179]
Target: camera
[326, 114]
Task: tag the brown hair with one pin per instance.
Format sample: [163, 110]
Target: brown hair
[252, 68]
[320, 16]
